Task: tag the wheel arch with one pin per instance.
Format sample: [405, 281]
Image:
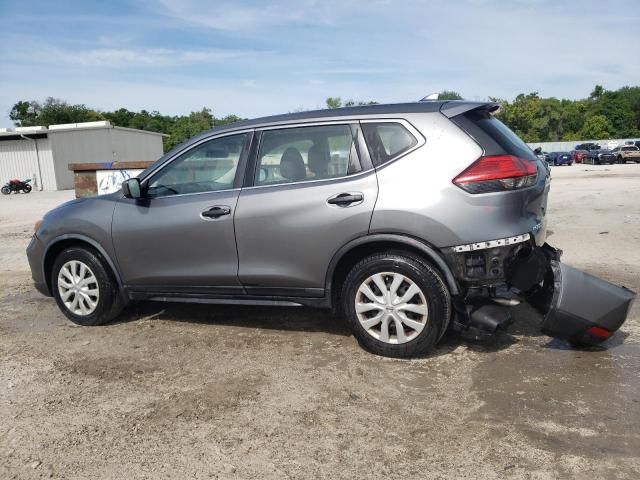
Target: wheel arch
[351, 253]
[61, 243]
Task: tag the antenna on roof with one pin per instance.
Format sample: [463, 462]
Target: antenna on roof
[433, 96]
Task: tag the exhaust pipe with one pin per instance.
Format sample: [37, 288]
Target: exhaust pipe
[490, 318]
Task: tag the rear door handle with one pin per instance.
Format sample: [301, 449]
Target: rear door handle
[346, 199]
[215, 212]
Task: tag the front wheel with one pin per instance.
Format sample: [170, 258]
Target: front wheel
[5, 190]
[84, 289]
[396, 306]
[27, 189]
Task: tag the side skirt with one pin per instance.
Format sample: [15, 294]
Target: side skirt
[226, 296]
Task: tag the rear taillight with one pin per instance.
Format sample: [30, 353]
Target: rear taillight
[497, 173]
[599, 332]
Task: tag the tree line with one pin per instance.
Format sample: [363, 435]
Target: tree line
[603, 115]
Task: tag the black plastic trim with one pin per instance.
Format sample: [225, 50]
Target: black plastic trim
[91, 242]
[427, 250]
[284, 291]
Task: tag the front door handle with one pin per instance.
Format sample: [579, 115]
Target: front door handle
[346, 199]
[215, 212]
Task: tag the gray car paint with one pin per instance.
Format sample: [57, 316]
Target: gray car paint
[164, 241]
[417, 196]
[287, 235]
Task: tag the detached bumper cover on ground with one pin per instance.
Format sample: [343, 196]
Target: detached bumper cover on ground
[579, 307]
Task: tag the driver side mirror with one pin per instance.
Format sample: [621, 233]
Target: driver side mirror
[131, 188]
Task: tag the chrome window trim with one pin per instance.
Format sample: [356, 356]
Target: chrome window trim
[213, 136]
[209, 192]
[322, 180]
[188, 149]
[347, 123]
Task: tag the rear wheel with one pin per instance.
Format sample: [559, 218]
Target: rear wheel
[396, 306]
[84, 289]
[5, 190]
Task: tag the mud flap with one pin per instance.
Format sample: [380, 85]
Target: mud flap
[579, 307]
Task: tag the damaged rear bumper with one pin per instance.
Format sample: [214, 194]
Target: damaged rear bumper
[579, 307]
[576, 306]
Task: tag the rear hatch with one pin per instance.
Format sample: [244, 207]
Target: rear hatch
[576, 306]
[508, 167]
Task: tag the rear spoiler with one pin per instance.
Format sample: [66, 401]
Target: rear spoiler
[456, 107]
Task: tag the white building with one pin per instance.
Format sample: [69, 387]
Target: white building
[43, 154]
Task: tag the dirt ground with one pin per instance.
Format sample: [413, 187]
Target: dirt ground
[196, 391]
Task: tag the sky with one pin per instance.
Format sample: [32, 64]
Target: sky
[254, 58]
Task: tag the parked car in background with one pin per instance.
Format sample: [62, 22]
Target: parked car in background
[540, 154]
[578, 155]
[559, 158]
[627, 153]
[600, 157]
[588, 146]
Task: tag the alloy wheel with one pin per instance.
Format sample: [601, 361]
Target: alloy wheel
[78, 288]
[391, 307]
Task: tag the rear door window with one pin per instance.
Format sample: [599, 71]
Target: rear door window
[387, 140]
[301, 154]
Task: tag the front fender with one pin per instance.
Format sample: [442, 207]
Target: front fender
[52, 243]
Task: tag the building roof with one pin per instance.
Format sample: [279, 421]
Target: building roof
[42, 132]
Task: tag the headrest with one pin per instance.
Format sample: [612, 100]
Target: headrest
[292, 166]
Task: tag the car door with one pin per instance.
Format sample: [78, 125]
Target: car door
[308, 194]
[179, 237]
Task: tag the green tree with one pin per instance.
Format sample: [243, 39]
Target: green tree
[185, 127]
[334, 102]
[24, 114]
[597, 92]
[52, 111]
[449, 95]
[596, 127]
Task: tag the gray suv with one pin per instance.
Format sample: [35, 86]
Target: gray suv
[405, 219]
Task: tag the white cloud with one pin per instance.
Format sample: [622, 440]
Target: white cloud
[122, 57]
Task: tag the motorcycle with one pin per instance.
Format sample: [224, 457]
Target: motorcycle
[16, 185]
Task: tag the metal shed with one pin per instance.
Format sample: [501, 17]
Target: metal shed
[44, 154]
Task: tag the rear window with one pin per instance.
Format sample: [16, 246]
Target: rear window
[494, 136]
[387, 140]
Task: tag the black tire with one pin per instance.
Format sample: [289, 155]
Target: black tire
[27, 189]
[6, 190]
[109, 304]
[426, 277]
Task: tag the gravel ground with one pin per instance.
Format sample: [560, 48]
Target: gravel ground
[196, 391]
